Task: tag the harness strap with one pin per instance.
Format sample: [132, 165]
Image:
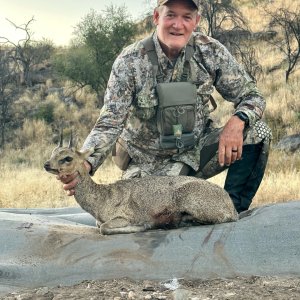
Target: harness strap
[157, 73]
[189, 52]
[152, 55]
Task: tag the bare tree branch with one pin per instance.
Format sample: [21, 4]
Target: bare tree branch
[27, 52]
[287, 23]
[216, 13]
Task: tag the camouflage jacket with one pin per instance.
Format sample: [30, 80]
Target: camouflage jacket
[130, 100]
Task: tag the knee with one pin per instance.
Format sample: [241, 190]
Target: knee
[258, 133]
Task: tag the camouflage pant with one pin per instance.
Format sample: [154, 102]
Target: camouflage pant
[209, 166]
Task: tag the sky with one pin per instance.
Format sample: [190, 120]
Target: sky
[55, 19]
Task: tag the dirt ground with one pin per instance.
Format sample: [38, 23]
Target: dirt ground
[238, 288]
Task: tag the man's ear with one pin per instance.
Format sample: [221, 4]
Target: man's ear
[198, 18]
[155, 16]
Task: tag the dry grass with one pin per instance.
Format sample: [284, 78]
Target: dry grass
[281, 180]
[31, 188]
[25, 185]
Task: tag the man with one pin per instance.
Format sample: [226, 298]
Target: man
[133, 101]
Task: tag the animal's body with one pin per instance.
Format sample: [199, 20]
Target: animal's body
[139, 204]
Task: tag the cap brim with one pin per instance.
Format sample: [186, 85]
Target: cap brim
[163, 2]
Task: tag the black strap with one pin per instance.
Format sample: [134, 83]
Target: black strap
[152, 55]
[207, 153]
[189, 52]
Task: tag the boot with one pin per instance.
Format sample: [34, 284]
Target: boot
[244, 176]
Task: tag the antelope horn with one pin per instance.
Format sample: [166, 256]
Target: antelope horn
[71, 140]
[61, 139]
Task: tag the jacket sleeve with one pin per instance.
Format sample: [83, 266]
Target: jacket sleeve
[113, 115]
[236, 86]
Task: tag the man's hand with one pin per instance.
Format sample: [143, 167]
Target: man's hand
[70, 181]
[231, 141]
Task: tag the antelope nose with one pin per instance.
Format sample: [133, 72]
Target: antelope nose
[47, 165]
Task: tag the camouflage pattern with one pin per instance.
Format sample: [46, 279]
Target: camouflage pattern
[260, 133]
[130, 103]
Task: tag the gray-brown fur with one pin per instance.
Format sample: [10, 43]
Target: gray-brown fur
[139, 204]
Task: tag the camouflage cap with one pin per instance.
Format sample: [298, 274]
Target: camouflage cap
[162, 2]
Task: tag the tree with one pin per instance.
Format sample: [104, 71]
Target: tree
[8, 91]
[99, 39]
[287, 24]
[225, 22]
[246, 55]
[27, 52]
[218, 14]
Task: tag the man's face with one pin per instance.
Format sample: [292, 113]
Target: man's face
[175, 23]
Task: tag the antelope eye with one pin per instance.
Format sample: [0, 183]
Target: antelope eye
[68, 159]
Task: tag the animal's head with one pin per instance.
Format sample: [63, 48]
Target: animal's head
[66, 160]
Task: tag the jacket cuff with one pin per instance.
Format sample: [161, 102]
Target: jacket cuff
[92, 161]
[252, 117]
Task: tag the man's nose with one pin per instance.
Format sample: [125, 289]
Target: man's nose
[178, 23]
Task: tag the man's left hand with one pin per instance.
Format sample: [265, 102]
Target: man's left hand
[231, 141]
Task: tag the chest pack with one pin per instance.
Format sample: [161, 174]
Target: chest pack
[176, 111]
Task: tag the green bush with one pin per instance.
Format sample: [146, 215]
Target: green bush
[45, 112]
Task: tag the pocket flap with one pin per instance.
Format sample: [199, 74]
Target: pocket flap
[176, 93]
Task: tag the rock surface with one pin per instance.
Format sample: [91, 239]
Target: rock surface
[289, 143]
[60, 247]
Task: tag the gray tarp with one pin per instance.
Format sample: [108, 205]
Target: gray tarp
[47, 247]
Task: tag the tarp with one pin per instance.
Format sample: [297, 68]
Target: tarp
[47, 247]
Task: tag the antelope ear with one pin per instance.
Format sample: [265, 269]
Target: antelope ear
[85, 153]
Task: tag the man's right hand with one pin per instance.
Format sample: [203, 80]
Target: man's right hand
[70, 181]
